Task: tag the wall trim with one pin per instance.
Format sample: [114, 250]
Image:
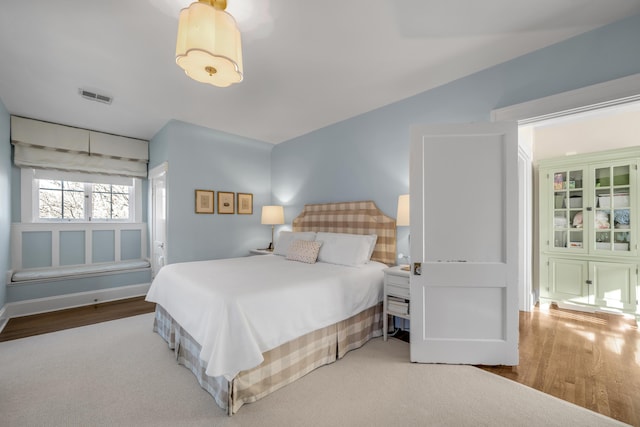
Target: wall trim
[61, 302]
[607, 94]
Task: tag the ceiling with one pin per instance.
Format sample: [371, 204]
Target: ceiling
[601, 129]
[307, 64]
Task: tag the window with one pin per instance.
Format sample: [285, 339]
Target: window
[82, 201]
[62, 196]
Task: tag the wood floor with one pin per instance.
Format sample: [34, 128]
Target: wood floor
[591, 360]
[21, 327]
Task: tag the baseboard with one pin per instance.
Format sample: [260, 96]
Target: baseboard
[61, 302]
[595, 309]
[575, 307]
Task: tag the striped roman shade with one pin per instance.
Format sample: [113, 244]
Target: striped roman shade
[43, 145]
[353, 218]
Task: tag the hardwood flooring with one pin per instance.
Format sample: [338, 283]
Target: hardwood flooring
[591, 360]
[21, 327]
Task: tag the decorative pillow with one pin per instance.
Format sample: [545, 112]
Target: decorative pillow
[346, 249]
[304, 251]
[286, 237]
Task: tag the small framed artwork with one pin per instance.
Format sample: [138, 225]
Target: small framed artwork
[245, 204]
[204, 202]
[226, 203]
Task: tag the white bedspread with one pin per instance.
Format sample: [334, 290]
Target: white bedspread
[238, 308]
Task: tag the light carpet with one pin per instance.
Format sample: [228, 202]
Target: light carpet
[120, 373]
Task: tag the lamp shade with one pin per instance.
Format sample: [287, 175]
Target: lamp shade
[272, 215]
[209, 47]
[402, 219]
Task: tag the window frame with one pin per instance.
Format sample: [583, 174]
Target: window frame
[30, 195]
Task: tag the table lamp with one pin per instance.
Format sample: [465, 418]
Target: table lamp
[402, 218]
[272, 215]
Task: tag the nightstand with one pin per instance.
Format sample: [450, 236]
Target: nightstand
[396, 296]
[260, 251]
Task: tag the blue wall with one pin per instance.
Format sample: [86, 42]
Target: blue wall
[362, 158]
[367, 157]
[201, 158]
[5, 201]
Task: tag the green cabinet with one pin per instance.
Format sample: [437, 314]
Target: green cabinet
[589, 229]
[610, 285]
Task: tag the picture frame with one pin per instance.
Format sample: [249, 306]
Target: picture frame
[204, 201]
[245, 204]
[226, 203]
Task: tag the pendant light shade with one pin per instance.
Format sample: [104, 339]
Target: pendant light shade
[209, 48]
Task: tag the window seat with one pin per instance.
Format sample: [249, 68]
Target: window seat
[77, 270]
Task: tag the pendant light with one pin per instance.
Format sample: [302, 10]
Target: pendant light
[209, 48]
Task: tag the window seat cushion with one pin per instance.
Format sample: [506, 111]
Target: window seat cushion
[57, 272]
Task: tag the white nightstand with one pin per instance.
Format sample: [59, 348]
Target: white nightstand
[260, 251]
[396, 296]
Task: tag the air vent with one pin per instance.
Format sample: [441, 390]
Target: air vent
[87, 94]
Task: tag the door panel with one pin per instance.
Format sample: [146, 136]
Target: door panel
[568, 280]
[464, 196]
[614, 284]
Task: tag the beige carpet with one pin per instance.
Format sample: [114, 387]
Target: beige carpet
[120, 373]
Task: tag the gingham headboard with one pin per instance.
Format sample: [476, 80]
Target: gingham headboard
[353, 218]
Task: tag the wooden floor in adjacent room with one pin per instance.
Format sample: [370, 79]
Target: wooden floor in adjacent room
[591, 360]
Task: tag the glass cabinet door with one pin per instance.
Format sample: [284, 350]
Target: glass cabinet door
[612, 220]
[568, 210]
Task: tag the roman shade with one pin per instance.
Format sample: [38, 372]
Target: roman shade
[44, 145]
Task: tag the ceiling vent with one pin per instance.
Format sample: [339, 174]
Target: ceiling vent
[87, 94]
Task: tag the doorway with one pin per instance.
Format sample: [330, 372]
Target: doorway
[158, 216]
[604, 99]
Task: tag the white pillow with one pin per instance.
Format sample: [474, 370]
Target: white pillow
[346, 249]
[286, 237]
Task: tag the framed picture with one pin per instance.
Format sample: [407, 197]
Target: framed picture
[245, 203]
[204, 202]
[226, 203]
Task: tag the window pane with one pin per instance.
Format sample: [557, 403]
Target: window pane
[50, 204]
[76, 186]
[101, 188]
[121, 189]
[73, 205]
[101, 205]
[50, 184]
[121, 206]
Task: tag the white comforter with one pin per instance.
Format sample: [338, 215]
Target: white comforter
[238, 308]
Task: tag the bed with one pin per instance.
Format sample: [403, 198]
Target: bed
[246, 327]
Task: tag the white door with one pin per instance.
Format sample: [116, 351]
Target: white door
[464, 244]
[158, 188]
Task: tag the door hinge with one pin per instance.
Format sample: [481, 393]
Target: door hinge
[589, 282]
[548, 176]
